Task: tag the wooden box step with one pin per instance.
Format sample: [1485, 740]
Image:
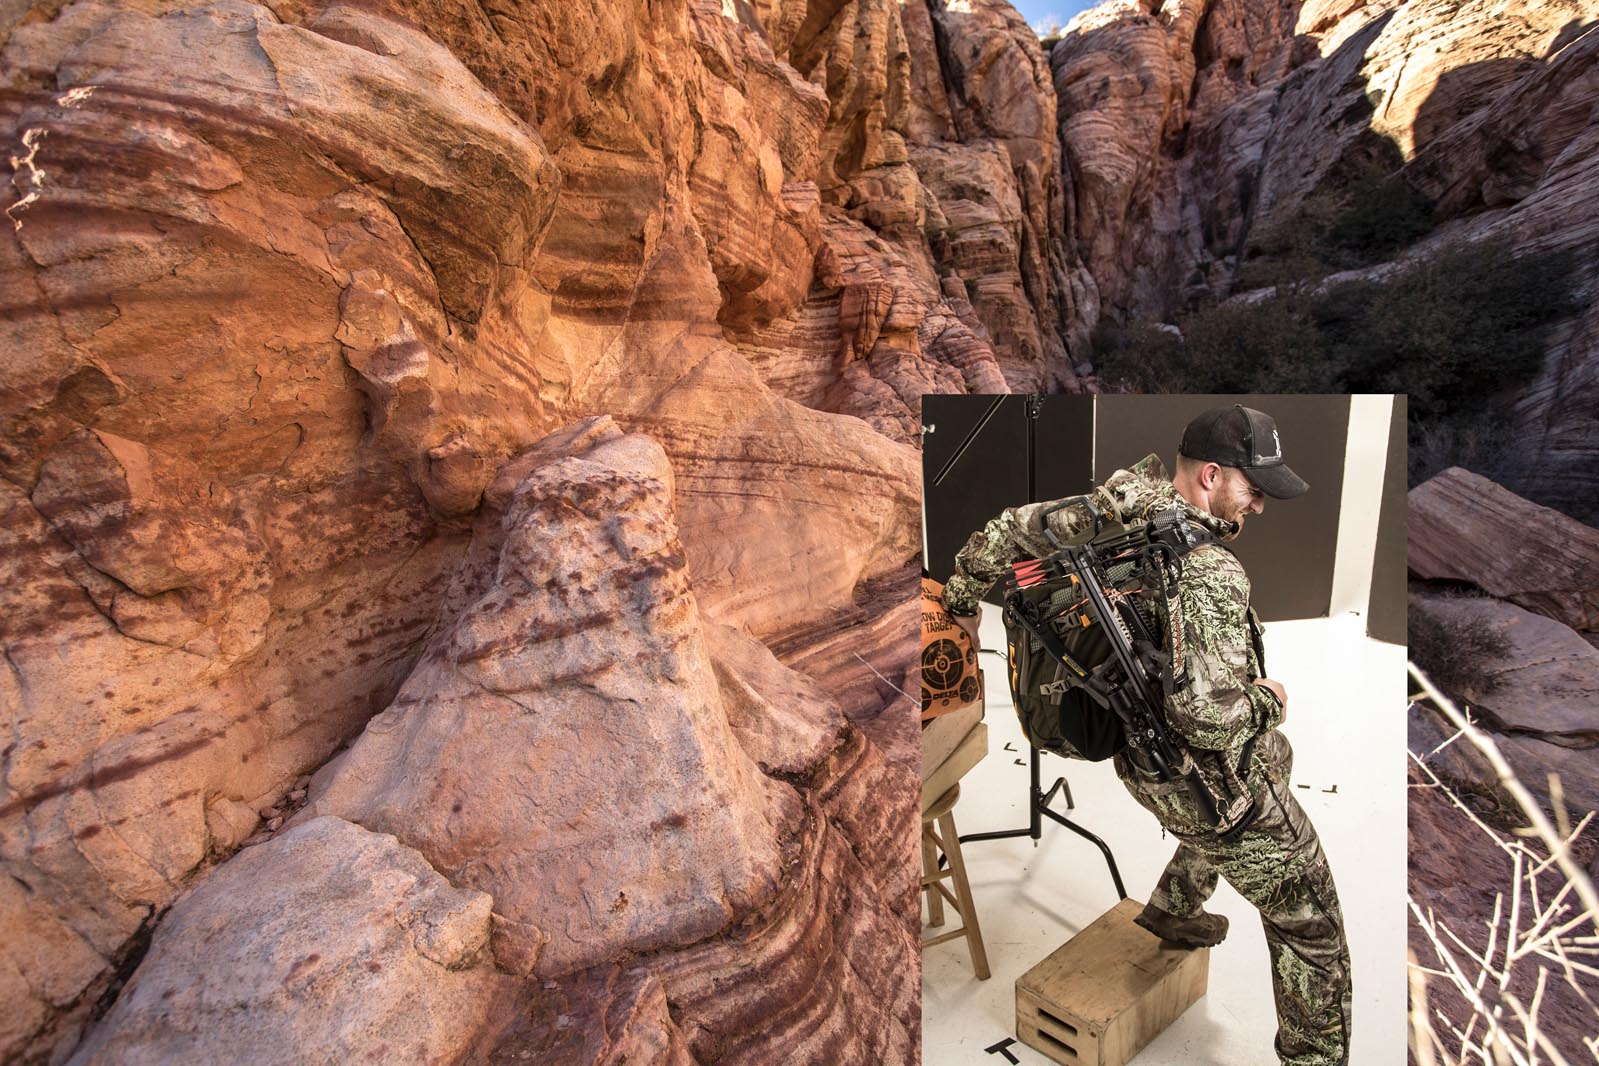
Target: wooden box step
[1108, 991]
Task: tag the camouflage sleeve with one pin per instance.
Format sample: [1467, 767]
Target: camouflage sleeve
[1015, 535]
[1221, 707]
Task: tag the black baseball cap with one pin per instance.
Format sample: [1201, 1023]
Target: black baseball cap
[1247, 439]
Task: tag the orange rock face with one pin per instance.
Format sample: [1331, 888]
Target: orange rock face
[291, 288]
[563, 745]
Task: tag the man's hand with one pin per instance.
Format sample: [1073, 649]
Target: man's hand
[1275, 688]
[969, 624]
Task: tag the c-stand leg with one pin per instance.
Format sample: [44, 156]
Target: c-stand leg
[1038, 808]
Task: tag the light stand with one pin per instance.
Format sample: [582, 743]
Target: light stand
[1038, 801]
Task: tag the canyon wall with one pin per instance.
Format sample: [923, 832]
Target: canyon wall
[1198, 134]
[521, 399]
[465, 456]
[1207, 146]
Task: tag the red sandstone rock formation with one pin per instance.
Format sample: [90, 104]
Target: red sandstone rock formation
[1517, 651]
[290, 285]
[1194, 132]
[1464, 527]
[1538, 689]
[1190, 129]
[319, 946]
[562, 744]
[1537, 680]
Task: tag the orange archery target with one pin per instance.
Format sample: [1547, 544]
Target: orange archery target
[949, 660]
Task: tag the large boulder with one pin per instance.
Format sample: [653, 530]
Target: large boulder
[1464, 527]
[329, 944]
[1532, 684]
[563, 745]
[1535, 675]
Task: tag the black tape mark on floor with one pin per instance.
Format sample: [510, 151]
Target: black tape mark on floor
[1001, 1049]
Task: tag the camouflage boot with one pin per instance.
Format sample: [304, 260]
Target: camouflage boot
[1176, 909]
[1203, 930]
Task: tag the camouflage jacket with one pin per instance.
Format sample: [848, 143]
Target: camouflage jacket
[1220, 708]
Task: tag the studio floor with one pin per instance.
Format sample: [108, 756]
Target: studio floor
[1346, 700]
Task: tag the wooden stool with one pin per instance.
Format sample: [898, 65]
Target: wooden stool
[1108, 991]
[946, 840]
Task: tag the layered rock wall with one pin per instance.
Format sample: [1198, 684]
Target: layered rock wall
[291, 284]
[1196, 133]
[1502, 620]
[1510, 589]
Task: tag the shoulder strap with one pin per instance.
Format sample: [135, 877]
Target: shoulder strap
[1257, 639]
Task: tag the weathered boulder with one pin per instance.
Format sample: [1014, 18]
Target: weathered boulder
[563, 744]
[1541, 678]
[1464, 527]
[328, 944]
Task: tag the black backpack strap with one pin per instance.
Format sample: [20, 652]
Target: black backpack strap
[1257, 638]
[1051, 642]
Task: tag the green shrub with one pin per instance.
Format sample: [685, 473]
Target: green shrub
[1364, 222]
[1379, 216]
[1458, 654]
[1138, 357]
[1452, 331]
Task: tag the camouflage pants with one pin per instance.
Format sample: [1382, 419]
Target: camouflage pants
[1278, 865]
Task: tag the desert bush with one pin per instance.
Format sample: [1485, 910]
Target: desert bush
[1378, 216]
[1458, 654]
[1453, 331]
[1361, 223]
[1138, 357]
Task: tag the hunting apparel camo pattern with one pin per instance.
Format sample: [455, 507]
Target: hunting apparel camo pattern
[1277, 863]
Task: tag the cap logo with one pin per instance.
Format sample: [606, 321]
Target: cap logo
[1277, 452]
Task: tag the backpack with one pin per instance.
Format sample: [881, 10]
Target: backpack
[1094, 634]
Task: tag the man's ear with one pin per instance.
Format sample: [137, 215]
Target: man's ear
[1209, 475]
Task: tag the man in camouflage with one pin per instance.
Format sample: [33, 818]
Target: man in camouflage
[1226, 718]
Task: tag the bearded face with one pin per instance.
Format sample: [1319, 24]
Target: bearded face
[1235, 498]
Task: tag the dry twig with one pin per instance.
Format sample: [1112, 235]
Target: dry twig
[1531, 941]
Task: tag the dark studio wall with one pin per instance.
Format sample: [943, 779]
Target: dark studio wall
[987, 438]
[1288, 549]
